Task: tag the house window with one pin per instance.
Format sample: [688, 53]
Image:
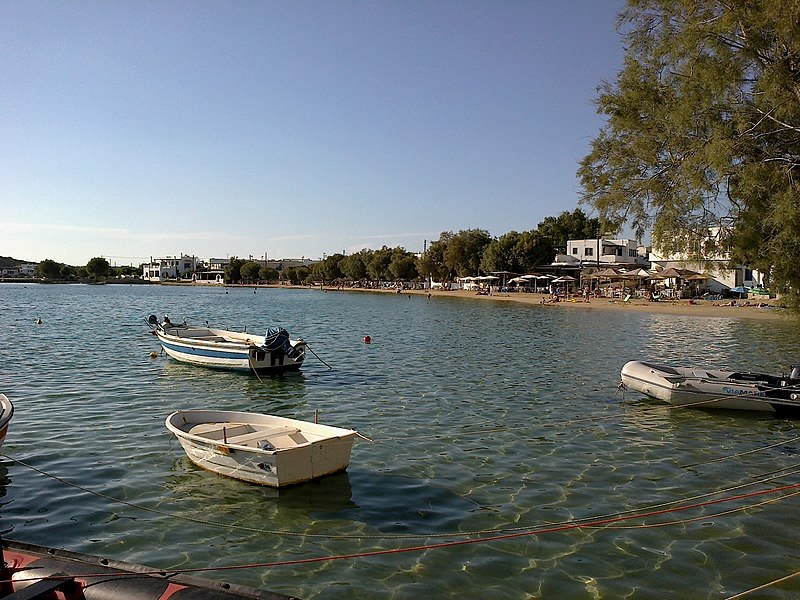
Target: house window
[574, 250]
[588, 251]
[631, 252]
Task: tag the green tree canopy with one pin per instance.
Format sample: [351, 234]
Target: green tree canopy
[431, 263]
[68, 272]
[296, 275]
[249, 271]
[355, 266]
[269, 274]
[233, 270]
[465, 250]
[575, 225]
[403, 265]
[703, 130]
[328, 269]
[49, 269]
[97, 267]
[517, 252]
[378, 264]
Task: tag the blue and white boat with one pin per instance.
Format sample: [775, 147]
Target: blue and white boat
[231, 350]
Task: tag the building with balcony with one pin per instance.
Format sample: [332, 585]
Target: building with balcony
[169, 268]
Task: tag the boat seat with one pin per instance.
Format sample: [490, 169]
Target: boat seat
[261, 434]
[213, 431]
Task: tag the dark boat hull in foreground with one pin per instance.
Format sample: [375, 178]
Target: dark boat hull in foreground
[32, 571]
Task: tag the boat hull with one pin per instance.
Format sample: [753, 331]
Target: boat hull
[224, 351]
[81, 575]
[6, 412]
[300, 451]
[699, 388]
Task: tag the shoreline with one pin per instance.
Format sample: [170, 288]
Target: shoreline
[770, 309]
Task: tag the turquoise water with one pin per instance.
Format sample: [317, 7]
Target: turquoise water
[485, 417]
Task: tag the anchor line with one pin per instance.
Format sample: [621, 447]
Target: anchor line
[575, 523]
[482, 540]
[310, 349]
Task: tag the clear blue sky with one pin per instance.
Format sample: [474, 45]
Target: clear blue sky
[139, 128]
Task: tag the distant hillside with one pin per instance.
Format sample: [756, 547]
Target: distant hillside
[7, 261]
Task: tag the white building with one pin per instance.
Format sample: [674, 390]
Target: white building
[608, 253]
[169, 267]
[722, 275]
[20, 270]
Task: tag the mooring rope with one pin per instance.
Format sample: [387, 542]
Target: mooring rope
[482, 540]
[763, 586]
[310, 349]
[738, 454]
[781, 473]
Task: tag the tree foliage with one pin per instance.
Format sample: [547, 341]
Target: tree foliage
[233, 270]
[575, 225]
[354, 267]
[49, 269]
[703, 131]
[328, 271]
[250, 271]
[97, 267]
[465, 250]
[431, 264]
[296, 275]
[268, 274]
[517, 252]
[402, 266]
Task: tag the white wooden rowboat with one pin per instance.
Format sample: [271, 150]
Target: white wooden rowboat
[264, 449]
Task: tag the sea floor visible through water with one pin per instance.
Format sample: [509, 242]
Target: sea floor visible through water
[504, 461]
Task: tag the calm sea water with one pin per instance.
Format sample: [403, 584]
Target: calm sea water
[485, 417]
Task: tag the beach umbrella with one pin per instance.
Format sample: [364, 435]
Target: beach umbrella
[609, 273]
[740, 289]
[565, 279]
[670, 273]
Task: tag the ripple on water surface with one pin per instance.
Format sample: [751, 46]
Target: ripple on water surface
[488, 420]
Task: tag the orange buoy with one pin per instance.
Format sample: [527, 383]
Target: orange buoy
[367, 339]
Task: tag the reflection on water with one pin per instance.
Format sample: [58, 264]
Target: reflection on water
[332, 494]
[482, 416]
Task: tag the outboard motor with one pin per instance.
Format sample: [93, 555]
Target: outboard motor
[795, 374]
[277, 338]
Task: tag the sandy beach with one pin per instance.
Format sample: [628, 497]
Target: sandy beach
[770, 309]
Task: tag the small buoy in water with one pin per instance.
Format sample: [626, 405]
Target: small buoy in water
[154, 354]
[367, 339]
[39, 321]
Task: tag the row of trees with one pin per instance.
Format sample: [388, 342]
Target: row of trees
[467, 252]
[96, 268]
